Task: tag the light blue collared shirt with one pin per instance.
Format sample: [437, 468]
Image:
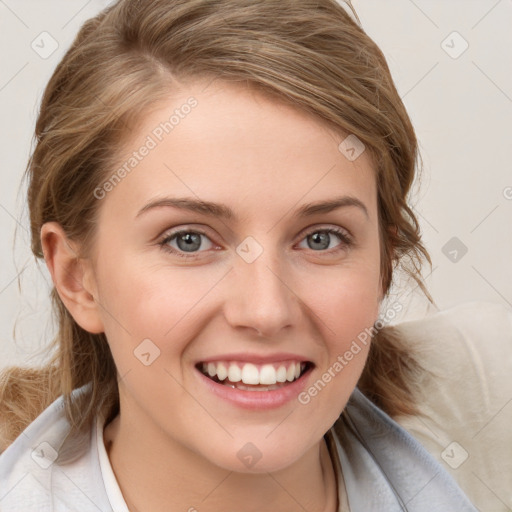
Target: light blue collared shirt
[384, 468]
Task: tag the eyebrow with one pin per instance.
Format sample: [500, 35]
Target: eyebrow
[225, 212]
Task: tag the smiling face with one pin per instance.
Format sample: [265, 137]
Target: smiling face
[245, 245]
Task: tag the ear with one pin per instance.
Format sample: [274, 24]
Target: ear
[72, 276]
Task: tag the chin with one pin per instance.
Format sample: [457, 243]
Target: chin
[259, 455]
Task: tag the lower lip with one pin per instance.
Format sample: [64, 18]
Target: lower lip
[257, 399]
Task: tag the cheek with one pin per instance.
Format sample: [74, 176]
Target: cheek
[347, 305]
[346, 299]
[163, 305]
[348, 309]
[348, 335]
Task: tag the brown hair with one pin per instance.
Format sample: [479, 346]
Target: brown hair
[307, 53]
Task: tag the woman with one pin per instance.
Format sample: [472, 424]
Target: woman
[219, 191]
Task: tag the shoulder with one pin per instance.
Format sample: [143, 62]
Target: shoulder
[465, 396]
[376, 453]
[464, 323]
[467, 352]
[24, 464]
[45, 469]
[467, 316]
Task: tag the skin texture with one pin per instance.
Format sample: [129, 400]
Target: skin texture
[174, 442]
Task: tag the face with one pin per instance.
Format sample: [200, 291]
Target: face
[217, 252]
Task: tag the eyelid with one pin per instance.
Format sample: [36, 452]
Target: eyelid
[172, 232]
[169, 232]
[313, 228]
[346, 237]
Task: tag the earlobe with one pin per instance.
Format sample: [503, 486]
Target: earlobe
[72, 277]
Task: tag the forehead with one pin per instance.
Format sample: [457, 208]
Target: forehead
[229, 143]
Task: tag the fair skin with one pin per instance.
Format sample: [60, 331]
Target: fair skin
[174, 445]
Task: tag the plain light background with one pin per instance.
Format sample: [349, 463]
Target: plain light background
[451, 61]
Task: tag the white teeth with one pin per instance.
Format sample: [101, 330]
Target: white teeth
[265, 375]
[250, 374]
[234, 373]
[281, 374]
[222, 371]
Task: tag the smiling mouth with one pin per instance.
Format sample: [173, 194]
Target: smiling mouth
[254, 377]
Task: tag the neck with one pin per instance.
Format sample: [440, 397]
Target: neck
[155, 479]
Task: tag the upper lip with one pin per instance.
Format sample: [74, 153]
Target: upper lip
[256, 358]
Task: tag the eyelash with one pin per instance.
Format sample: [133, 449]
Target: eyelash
[346, 241]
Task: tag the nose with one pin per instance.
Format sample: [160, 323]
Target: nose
[261, 296]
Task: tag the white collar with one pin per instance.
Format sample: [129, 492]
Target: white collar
[384, 467]
[115, 497]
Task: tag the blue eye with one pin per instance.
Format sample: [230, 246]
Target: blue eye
[187, 242]
[322, 238]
